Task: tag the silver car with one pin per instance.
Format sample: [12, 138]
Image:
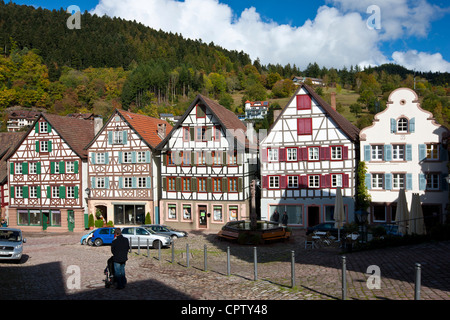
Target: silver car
[166, 230]
[144, 234]
[11, 244]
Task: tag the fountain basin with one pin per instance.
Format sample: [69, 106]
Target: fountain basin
[264, 231]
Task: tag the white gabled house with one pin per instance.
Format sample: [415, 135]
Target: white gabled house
[309, 151]
[404, 149]
[206, 169]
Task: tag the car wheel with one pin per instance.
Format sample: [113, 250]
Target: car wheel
[156, 244]
[174, 236]
[84, 242]
[98, 242]
[90, 242]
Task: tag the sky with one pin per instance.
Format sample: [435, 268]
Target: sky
[332, 33]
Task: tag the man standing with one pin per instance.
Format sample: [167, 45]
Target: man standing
[119, 249]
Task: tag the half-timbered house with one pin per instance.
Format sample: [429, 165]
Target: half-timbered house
[308, 153]
[207, 167]
[405, 148]
[46, 171]
[123, 168]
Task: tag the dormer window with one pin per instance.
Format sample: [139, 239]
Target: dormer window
[402, 125]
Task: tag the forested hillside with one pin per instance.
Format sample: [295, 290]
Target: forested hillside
[112, 63]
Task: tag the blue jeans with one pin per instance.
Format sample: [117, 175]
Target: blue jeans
[119, 274]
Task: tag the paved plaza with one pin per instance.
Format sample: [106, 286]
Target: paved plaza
[57, 267]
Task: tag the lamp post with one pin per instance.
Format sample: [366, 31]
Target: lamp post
[361, 217]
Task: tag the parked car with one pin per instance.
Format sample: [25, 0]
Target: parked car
[133, 233]
[84, 238]
[325, 227]
[166, 230]
[102, 236]
[11, 244]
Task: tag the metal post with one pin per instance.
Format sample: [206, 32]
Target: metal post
[159, 250]
[139, 246]
[148, 248]
[292, 268]
[131, 248]
[255, 259]
[187, 255]
[228, 262]
[205, 259]
[173, 252]
[344, 278]
[417, 282]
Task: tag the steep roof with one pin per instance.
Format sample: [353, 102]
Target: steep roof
[146, 127]
[8, 143]
[345, 125]
[227, 118]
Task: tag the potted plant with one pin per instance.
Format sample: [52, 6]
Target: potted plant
[91, 222]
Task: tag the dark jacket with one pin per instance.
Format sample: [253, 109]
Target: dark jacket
[119, 249]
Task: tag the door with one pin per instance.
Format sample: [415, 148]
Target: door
[70, 220]
[45, 219]
[313, 216]
[202, 216]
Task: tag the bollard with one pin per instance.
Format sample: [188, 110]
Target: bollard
[159, 250]
[139, 246]
[417, 282]
[292, 268]
[173, 252]
[344, 278]
[148, 248]
[187, 255]
[131, 250]
[255, 259]
[228, 262]
[205, 264]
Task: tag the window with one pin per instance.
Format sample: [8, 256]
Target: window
[100, 157]
[201, 134]
[217, 184]
[377, 181]
[142, 182]
[314, 181]
[201, 185]
[129, 215]
[377, 152]
[432, 181]
[336, 153]
[55, 192]
[100, 183]
[169, 158]
[398, 152]
[398, 181]
[303, 102]
[272, 154]
[233, 213]
[185, 158]
[216, 158]
[313, 154]
[201, 111]
[233, 185]
[186, 134]
[18, 192]
[201, 159]
[70, 167]
[43, 128]
[141, 158]
[232, 159]
[186, 184]
[71, 192]
[292, 182]
[187, 212]
[304, 126]
[33, 191]
[379, 213]
[336, 180]
[291, 154]
[128, 182]
[18, 168]
[402, 125]
[171, 181]
[217, 213]
[274, 182]
[44, 146]
[127, 157]
[118, 137]
[33, 168]
[217, 133]
[294, 213]
[432, 152]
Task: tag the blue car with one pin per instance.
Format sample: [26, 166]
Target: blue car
[84, 238]
[102, 236]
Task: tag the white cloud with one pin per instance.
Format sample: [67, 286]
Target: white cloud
[336, 37]
[421, 61]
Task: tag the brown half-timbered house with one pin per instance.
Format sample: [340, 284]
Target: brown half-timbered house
[45, 176]
[122, 168]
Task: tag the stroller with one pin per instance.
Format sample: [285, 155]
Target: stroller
[109, 273]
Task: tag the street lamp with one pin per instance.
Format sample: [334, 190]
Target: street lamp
[361, 218]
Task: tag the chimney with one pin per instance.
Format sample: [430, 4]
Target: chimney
[98, 124]
[333, 100]
[162, 130]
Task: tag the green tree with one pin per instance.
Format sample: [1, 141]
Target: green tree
[363, 197]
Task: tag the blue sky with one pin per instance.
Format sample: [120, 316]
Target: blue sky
[333, 33]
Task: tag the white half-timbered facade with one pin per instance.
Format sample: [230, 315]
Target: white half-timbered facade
[122, 169]
[308, 153]
[404, 148]
[206, 169]
[45, 176]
